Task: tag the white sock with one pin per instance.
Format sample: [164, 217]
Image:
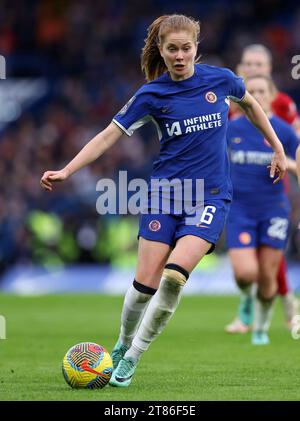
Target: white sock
[135, 303]
[159, 311]
[290, 305]
[262, 315]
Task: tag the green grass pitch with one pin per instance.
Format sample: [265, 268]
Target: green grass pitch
[193, 359]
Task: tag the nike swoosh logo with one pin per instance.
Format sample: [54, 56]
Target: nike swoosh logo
[85, 366]
[123, 379]
[201, 226]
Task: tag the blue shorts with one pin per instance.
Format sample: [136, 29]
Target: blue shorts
[168, 228]
[250, 226]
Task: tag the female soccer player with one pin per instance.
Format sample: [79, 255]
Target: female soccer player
[257, 59]
[257, 225]
[188, 104]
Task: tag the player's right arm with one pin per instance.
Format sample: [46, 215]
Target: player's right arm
[89, 153]
[259, 119]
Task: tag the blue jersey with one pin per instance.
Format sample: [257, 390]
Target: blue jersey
[191, 120]
[250, 154]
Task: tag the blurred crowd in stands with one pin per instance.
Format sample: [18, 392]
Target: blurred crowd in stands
[88, 52]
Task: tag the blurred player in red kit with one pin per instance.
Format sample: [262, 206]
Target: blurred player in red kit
[257, 59]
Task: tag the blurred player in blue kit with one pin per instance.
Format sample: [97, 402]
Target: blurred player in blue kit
[188, 103]
[258, 221]
[256, 59]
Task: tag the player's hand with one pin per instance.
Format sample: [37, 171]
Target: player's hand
[278, 166]
[50, 177]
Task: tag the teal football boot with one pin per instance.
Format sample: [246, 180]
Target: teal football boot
[260, 338]
[122, 376]
[118, 353]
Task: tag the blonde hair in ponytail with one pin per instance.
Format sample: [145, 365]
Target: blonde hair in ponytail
[152, 63]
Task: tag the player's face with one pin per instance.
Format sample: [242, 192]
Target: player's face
[179, 50]
[260, 89]
[255, 63]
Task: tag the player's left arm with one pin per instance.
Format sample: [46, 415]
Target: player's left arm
[259, 119]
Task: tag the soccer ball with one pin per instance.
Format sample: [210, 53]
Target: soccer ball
[87, 365]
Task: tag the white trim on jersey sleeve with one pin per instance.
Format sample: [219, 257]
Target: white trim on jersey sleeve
[136, 125]
[121, 127]
[157, 128]
[139, 123]
[235, 99]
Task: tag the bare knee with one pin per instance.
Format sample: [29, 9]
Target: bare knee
[149, 277]
[152, 257]
[245, 266]
[245, 276]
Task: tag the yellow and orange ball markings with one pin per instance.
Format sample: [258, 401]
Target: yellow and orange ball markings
[87, 365]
